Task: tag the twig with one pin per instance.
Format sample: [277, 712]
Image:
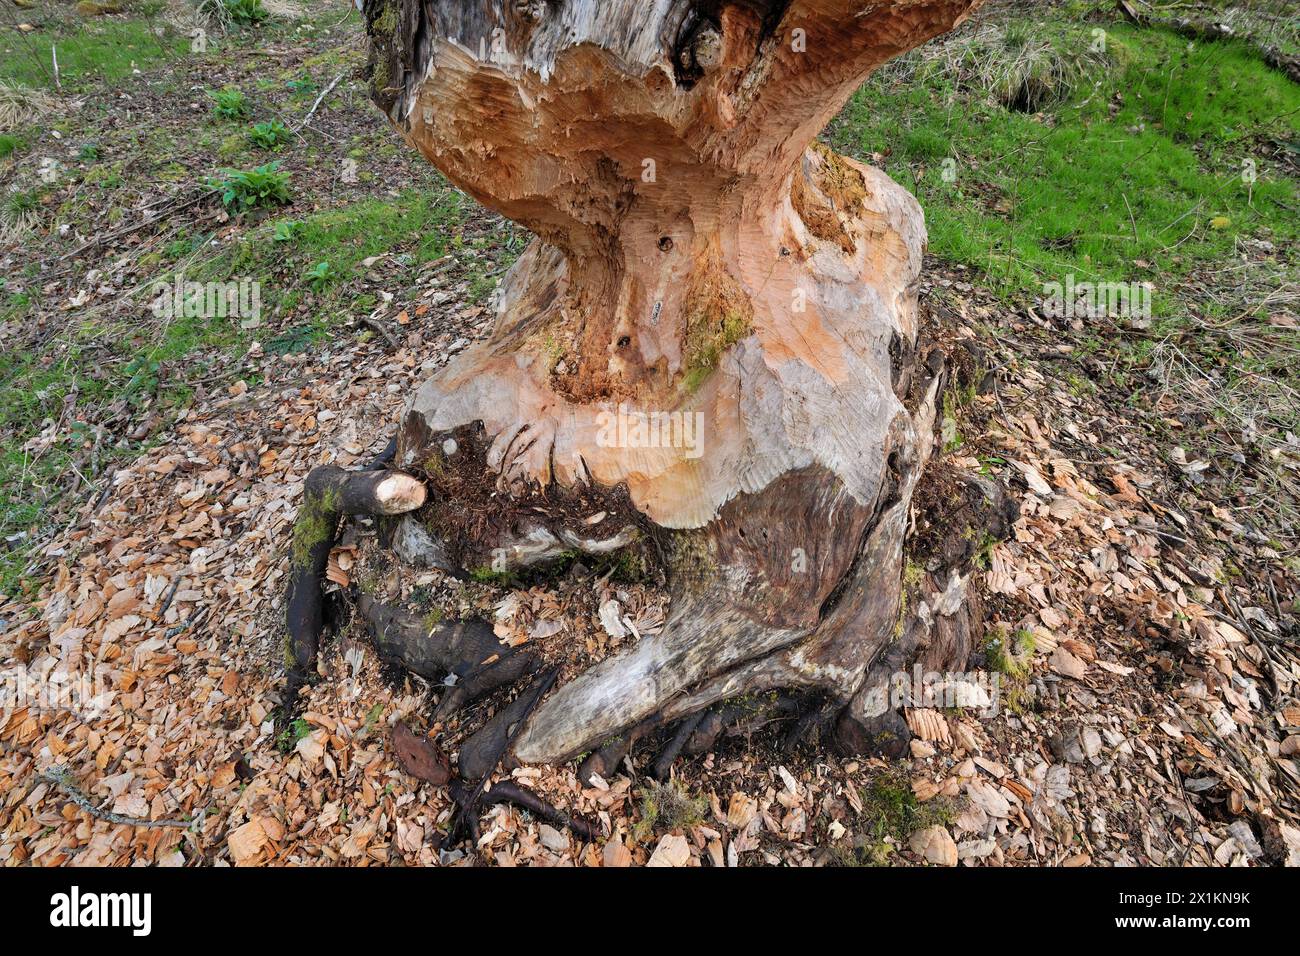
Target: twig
[58, 777]
[323, 93]
[167, 211]
[171, 594]
[383, 332]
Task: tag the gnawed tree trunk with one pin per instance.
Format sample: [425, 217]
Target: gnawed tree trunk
[713, 343]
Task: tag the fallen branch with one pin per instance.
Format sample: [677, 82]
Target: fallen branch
[323, 93]
[58, 777]
[379, 328]
[159, 217]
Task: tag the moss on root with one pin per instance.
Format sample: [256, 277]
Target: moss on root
[386, 22]
[315, 523]
[690, 556]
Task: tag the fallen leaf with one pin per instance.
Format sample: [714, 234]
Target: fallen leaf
[420, 757]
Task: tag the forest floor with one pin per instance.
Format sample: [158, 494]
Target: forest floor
[1141, 621]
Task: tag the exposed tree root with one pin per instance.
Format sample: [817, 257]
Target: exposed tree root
[480, 754]
[725, 358]
[464, 656]
[525, 799]
[605, 759]
[486, 748]
[815, 718]
[663, 764]
[328, 493]
[927, 618]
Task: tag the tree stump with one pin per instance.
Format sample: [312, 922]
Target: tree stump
[712, 343]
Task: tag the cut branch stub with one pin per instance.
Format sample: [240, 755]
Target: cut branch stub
[328, 493]
[716, 325]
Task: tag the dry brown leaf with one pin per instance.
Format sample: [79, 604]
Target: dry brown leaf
[1080, 650]
[1066, 664]
[672, 850]
[934, 845]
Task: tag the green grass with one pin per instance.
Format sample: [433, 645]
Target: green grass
[1134, 168]
[668, 806]
[343, 238]
[1122, 164]
[90, 52]
[891, 813]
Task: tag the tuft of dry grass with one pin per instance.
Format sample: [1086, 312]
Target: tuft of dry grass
[19, 214]
[1013, 64]
[285, 9]
[20, 105]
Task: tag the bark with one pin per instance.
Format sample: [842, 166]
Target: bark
[463, 656]
[712, 344]
[329, 493]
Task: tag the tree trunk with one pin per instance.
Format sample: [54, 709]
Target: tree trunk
[713, 342]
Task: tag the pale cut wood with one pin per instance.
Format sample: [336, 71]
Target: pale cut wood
[397, 494]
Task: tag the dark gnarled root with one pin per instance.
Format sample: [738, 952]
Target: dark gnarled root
[663, 765]
[480, 754]
[699, 733]
[330, 492]
[466, 656]
[605, 759]
[484, 750]
[525, 799]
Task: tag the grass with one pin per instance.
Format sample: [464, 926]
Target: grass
[342, 238]
[20, 105]
[891, 813]
[90, 51]
[1135, 157]
[667, 806]
[1115, 163]
[1131, 162]
[1011, 656]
